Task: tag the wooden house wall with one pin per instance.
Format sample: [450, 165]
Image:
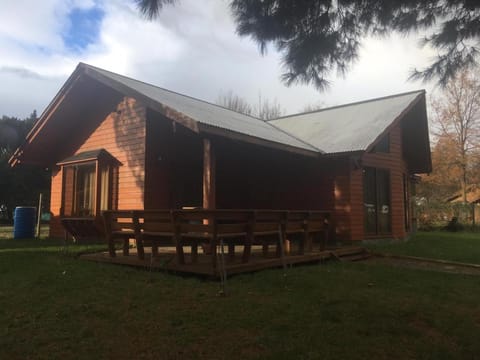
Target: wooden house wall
[174, 165]
[338, 171]
[394, 162]
[122, 134]
[251, 176]
[162, 168]
[158, 162]
[56, 229]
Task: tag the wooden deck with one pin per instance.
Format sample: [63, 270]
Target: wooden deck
[166, 260]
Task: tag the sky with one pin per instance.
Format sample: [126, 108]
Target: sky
[191, 49]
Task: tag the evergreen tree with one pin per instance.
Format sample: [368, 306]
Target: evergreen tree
[318, 37]
[22, 184]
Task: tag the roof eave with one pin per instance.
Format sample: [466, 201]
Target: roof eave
[396, 121]
[45, 116]
[147, 101]
[213, 130]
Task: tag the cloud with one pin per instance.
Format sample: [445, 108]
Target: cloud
[21, 72]
[192, 49]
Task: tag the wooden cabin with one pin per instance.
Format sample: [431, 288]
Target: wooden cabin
[113, 142]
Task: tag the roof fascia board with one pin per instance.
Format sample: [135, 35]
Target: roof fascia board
[213, 130]
[148, 102]
[343, 154]
[425, 128]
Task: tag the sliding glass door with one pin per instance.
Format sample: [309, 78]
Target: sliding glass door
[376, 199]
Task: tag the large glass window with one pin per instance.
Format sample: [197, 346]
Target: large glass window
[376, 194]
[84, 193]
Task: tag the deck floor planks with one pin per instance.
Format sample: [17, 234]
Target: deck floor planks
[166, 260]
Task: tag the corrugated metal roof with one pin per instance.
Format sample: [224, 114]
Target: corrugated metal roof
[347, 128]
[207, 113]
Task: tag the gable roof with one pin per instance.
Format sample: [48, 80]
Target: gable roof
[199, 111]
[90, 92]
[351, 127]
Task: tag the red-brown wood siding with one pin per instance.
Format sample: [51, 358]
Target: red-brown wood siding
[56, 229]
[173, 165]
[122, 134]
[162, 168]
[158, 162]
[394, 163]
[338, 170]
[252, 176]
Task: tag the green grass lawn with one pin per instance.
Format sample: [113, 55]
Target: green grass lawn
[6, 232]
[55, 306]
[443, 245]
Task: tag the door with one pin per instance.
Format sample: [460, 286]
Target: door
[376, 193]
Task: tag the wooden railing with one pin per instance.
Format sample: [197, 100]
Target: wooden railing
[209, 228]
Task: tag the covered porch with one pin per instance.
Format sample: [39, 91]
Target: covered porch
[214, 204]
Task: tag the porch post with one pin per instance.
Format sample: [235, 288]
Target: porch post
[98, 189]
[208, 175]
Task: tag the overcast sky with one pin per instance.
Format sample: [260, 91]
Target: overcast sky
[191, 49]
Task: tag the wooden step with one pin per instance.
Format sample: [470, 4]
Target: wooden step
[356, 257]
[352, 254]
[348, 251]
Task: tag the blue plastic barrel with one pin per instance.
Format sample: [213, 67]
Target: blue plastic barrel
[24, 222]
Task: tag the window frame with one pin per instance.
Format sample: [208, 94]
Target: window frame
[102, 165]
[377, 190]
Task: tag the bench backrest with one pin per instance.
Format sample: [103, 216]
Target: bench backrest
[116, 221]
[154, 221]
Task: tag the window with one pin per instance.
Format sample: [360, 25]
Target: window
[84, 190]
[87, 184]
[376, 194]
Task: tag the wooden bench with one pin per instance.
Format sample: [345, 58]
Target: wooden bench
[210, 228]
[294, 229]
[234, 227]
[318, 222]
[119, 226]
[267, 230]
[154, 228]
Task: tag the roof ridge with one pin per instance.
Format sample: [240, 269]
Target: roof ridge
[167, 90]
[349, 104]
